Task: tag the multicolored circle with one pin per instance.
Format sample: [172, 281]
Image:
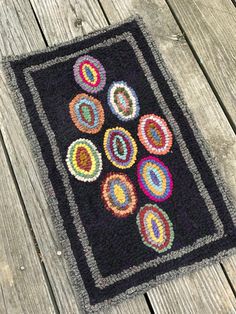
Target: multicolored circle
[83, 160]
[155, 228]
[89, 73]
[119, 194]
[120, 147]
[154, 134]
[87, 113]
[154, 179]
[123, 101]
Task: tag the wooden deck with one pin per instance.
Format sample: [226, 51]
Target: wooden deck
[198, 41]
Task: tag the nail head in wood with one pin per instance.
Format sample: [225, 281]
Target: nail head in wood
[78, 22]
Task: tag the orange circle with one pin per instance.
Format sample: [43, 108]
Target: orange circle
[87, 113]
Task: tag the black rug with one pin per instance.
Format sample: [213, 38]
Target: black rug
[134, 194]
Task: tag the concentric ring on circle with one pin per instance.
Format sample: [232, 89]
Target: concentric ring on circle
[154, 134]
[154, 179]
[120, 147]
[119, 194]
[89, 73]
[123, 101]
[87, 113]
[83, 160]
[155, 228]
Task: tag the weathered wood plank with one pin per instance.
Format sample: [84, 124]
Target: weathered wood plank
[17, 25]
[64, 20]
[19, 34]
[18, 292]
[210, 27]
[131, 306]
[198, 289]
[205, 108]
[230, 268]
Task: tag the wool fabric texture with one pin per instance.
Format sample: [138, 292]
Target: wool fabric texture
[134, 193]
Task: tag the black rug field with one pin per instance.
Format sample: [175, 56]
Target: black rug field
[134, 194]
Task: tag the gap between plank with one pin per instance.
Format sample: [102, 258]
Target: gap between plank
[49, 287]
[228, 279]
[39, 26]
[230, 120]
[104, 12]
[149, 304]
[234, 2]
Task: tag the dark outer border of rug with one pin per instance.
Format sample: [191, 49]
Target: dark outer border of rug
[78, 285]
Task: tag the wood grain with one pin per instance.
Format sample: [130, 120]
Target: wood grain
[210, 27]
[18, 292]
[177, 296]
[230, 268]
